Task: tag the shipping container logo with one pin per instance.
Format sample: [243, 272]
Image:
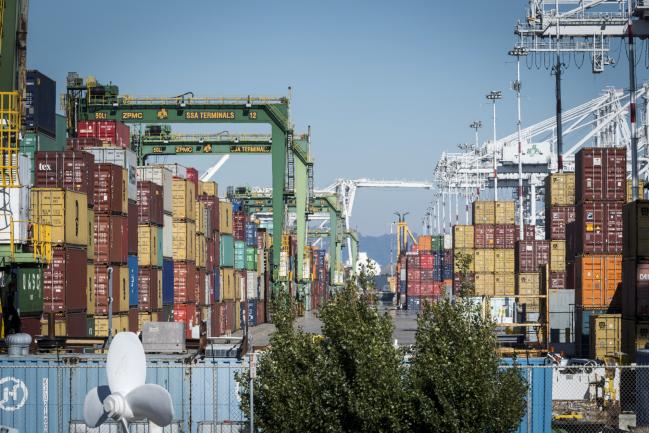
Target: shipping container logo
[14, 394]
[162, 114]
[44, 167]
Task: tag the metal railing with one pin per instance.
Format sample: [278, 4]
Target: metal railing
[185, 100]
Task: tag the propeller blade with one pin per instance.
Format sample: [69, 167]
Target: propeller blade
[152, 402]
[125, 364]
[124, 424]
[93, 406]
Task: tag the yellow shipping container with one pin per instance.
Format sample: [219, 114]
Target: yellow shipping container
[237, 317]
[504, 261]
[484, 284]
[528, 285]
[201, 251]
[227, 284]
[466, 251]
[463, 236]
[121, 303]
[504, 284]
[629, 193]
[560, 189]
[91, 231]
[505, 212]
[142, 318]
[155, 316]
[184, 241]
[208, 188]
[90, 289]
[200, 217]
[484, 212]
[147, 245]
[183, 196]
[485, 260]
[605, 335]
[120, 324]
[60, 328]
[225, 217]
[557, 256]
[65, 211]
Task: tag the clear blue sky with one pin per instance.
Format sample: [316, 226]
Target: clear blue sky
[385, 85]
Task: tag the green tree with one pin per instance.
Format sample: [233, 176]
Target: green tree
[463, 264]
[456, 381]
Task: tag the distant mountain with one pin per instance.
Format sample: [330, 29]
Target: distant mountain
[377, 248]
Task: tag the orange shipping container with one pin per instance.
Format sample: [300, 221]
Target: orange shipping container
[598, 280]
[425, 243]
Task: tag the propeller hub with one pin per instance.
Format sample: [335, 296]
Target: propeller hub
[115, 405]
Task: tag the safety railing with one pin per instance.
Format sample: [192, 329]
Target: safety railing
[10, 120]
[184, 100]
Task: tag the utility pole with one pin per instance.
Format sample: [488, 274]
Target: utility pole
[518, 52]
[477, 124]
[493, 96]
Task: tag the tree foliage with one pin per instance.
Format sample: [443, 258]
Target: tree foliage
[352, 378]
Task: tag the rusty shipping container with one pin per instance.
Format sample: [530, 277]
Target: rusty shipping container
[64, 280]
[600, 174]
[108, 131]
[530, 255]
[556, 219]
[72, 170]
[149, 288]
[597, 281]
[484, 236]
[599, 228]
[212, 204]
[184, 282]
[80, 143]
[119, 290]
[111, 193]
[111, 238]
[149, 203]
[636, 230]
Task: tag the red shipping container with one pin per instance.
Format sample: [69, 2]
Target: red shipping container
[148, 288]
[149, 203]
[132, 227]
[73, 170]
[102, 290]
[484, 236]
[239, 226]
[65, 281]
[427, 275]
[571, 241]
[426, 261]
[529, 232]
[31, 325]
[110, 188]
[261, 309]
[76, 324]
[218, 319]
[111, 238]
[186, 313]
[192, 176]
[570, 275]
[556, 220]
[210, 254]
[211, 203]
[599, 228]
[132, 319]
[457, 281]
[505, 235]
[82, 143]
[108, 131]
[184, 282]
[531, 254]
[557, 280]
[635, 289]
[600, 174]
[203, 294]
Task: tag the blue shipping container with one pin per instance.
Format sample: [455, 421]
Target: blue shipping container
[167, 281]
[538, 417]
[251, 234]
[252, 312]
[48, 391]
[40, 103]
[132, 281]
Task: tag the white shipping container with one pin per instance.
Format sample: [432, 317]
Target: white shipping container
[242, 288]
[251, 284]
[167, 236]
[208, 289]
[175, 169]
[448, 242]
[14, 205]
[124, 158]
[160, 175]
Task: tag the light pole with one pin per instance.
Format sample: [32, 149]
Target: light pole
[518, 52]
[493, 96]
[476, 125]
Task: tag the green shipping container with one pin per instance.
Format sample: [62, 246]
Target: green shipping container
[239, 255]
[437, 243]
[251, 258]
[30, 290]
[227, 251]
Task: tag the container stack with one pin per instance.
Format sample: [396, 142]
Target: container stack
[635, 278]
[559, 212]
[424, 272]
[594, 240]
[463, 245]
[62, 198]
[208, 297]
[226, 290]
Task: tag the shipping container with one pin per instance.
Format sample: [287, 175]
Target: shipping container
[469, 253]
[108, 131]
[561, 315]
[64, 280]
[110, 189]
[91, 301]
[40, 103]
[149, 245]
[225, 217]
[29, 290]
[484, 212]
[167, 281]
[150, 288]
[463, 236]
[183, 200]
[635, 336]
[557, 256]
[119, 290]
[605, 335]
[149, 203]
[71, 170]
[186, 313]
[504, 261]
[201, 251]
[636, 229]
[77, 143]
[167, 236]
[226, 254]
[629, 192]
[14, 207]
[211, 204]
[528, 287]
[601, 174]
[599, 228]
[484, 284]
[505, 283]
[484, 236]
[162, 177]
[207, 188]
[556, 220]
[132, 227]
[239, 225]
[530, 255]
[90, 246]
[75, 324]
[125, 158]
[560, 190]
[227, 284]
[505, 212]
[184, 240]
[506, 235]
[635, 289]
[184, 282]
[597, 281]
[484, 260]
[65, 211]
[111, 238]
[133, 276]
